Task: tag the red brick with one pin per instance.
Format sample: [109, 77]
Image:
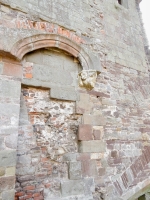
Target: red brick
[28, 196]
[28, 76]
[36, 194]
[19, 194]
[12, 70]
[30, 187]
[85, 132]
[47, 185]
[44, 159]
[39, 198]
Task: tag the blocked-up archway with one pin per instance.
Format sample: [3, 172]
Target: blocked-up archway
[13, 69]
[49, 163]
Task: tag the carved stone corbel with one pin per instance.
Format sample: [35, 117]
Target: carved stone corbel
[87, 79]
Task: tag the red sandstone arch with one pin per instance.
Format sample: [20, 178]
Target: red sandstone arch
[26, 45]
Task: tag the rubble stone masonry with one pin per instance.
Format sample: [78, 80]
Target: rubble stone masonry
[60, 139]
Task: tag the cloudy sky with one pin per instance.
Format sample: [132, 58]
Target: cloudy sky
[145, 9]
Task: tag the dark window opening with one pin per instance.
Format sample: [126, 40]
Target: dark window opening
[119, 1]
[142, 198]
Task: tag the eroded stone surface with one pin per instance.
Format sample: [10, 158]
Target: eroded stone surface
[87, 79]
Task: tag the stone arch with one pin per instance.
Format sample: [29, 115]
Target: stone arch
[88, 60]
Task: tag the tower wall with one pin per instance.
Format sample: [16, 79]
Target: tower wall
[74, 101]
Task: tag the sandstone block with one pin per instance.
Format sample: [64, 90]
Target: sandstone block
[26, 171]
[83, 156]
[72, 187]
[64, 93]
[75, 170]
[95, 120]
[70, 157]
[7, 158]
[7, 183]
[24, 160]
[9, 194]
[96, 156]
[84, 105]
[2, 171]
[10, 171]
[89, 168]
[7, 110]
[97, 132]
[12, 70]
[85, 132]
[89, 186]
[10, 89]
[101, 171]
[94, 146]
[11, 141]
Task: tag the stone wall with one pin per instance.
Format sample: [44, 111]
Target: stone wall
[72, 142]
[10, 87]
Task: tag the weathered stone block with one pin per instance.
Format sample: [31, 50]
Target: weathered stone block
[7, 158]
[72, 187]
[95, 120]
[7, 183]
[24, 160]
[6, 111]
[97, 132]
[11, 141]
[101, 171]
[75, 170]
[89, 168]
[10, 171]
[94, 146]
[10, 89]
[96, 156]
[89, 186]
[25, 171]
[64, 93]
[84, 105]
[2, 171]
[83, 156]
[85, 132]
[9, 194]
[7, 131]
[12, 70]
[71, 157]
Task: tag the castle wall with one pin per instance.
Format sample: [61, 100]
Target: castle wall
[72, 142]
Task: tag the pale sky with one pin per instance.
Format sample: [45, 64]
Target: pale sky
[145, 9]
